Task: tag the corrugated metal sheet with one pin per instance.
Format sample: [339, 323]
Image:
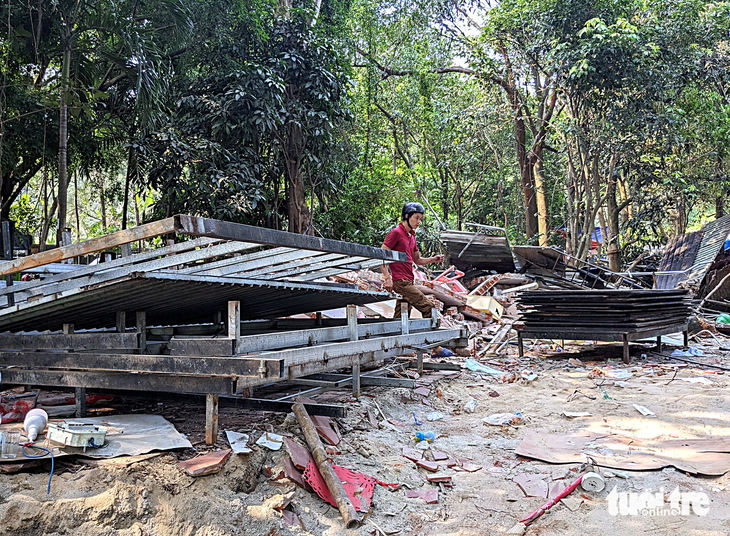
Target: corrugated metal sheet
[484, 252]
[679, 256]
[714, 235]
[169, 298]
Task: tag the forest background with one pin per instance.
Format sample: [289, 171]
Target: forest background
[546, 117]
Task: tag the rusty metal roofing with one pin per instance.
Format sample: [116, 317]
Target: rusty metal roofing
[679, 256]
[483, 250]
[714, 235]
[169, 298]
[272, 273]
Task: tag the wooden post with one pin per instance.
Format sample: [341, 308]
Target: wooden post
[211, 419]
[344, 505]
[520, 344]
[121, 321]
[81, 402]
[685, 338]
[352, 327]
[434, 318]
[659, 344]
[68, 329]
[7, 235]
[234, 323]
[419, 361]
[142, 330]
[405, 326]
[627, 359]
[318, 320]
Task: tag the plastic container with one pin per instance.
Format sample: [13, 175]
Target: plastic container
[9, 444]
[425, 436]
[35, 422]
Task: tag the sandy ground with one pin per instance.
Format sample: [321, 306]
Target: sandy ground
[154, 497]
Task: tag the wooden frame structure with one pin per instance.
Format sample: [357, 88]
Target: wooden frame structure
[167, 320]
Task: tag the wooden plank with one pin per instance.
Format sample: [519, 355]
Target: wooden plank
[134, 363]
[75, 341]
[166, 383]
[263, 404]
[310, 337]
[198, 347]
[197, 226]
[92, 245]
[211, 418]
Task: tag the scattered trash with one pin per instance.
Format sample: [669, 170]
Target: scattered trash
[704, 381]
[724, 318]
[574, 414]
[618, 374]
[689, 352]
[575, 362]
[442, 352]
[478, 367]
[532, 485]
[592, 482]
[522, 525]
[500, 419]
[435, 416]
[424, 436]
[238, 442]
[528, 375]
[419, 423]
[270, 441]
[470, 406]
[643, 410]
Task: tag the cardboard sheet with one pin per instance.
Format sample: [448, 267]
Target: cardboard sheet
[697, 456]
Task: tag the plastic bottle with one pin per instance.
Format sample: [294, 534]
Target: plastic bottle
[35, 422]
[425, 436]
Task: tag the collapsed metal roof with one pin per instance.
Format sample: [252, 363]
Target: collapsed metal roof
[272, 273]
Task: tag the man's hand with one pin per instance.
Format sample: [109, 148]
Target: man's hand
[438, 258]
[388, 284]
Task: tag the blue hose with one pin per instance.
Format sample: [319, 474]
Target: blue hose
[47, 452]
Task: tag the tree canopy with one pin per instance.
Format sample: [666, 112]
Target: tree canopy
[548, 118]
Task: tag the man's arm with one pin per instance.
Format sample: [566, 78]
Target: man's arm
[387, 279]
[423, 261]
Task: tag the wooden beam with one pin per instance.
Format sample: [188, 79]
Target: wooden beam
[211, 419]
[76, 341]
[138, 363]
[92, 245]
[170, 383]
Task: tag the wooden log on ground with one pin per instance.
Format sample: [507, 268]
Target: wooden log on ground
[344, 504]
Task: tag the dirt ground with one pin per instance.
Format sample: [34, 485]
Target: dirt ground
[153, 497]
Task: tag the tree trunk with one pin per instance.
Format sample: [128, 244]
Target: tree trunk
[541, 202]
[63, 142]
[300, 218]
[131, 170]
[612, 225]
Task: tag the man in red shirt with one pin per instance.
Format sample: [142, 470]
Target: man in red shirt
[403, 238]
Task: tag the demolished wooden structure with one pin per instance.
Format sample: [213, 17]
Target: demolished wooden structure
[200, 316]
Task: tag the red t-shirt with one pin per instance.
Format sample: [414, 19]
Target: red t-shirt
[400, 239]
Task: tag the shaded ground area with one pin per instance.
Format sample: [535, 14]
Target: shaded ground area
[153, 496]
